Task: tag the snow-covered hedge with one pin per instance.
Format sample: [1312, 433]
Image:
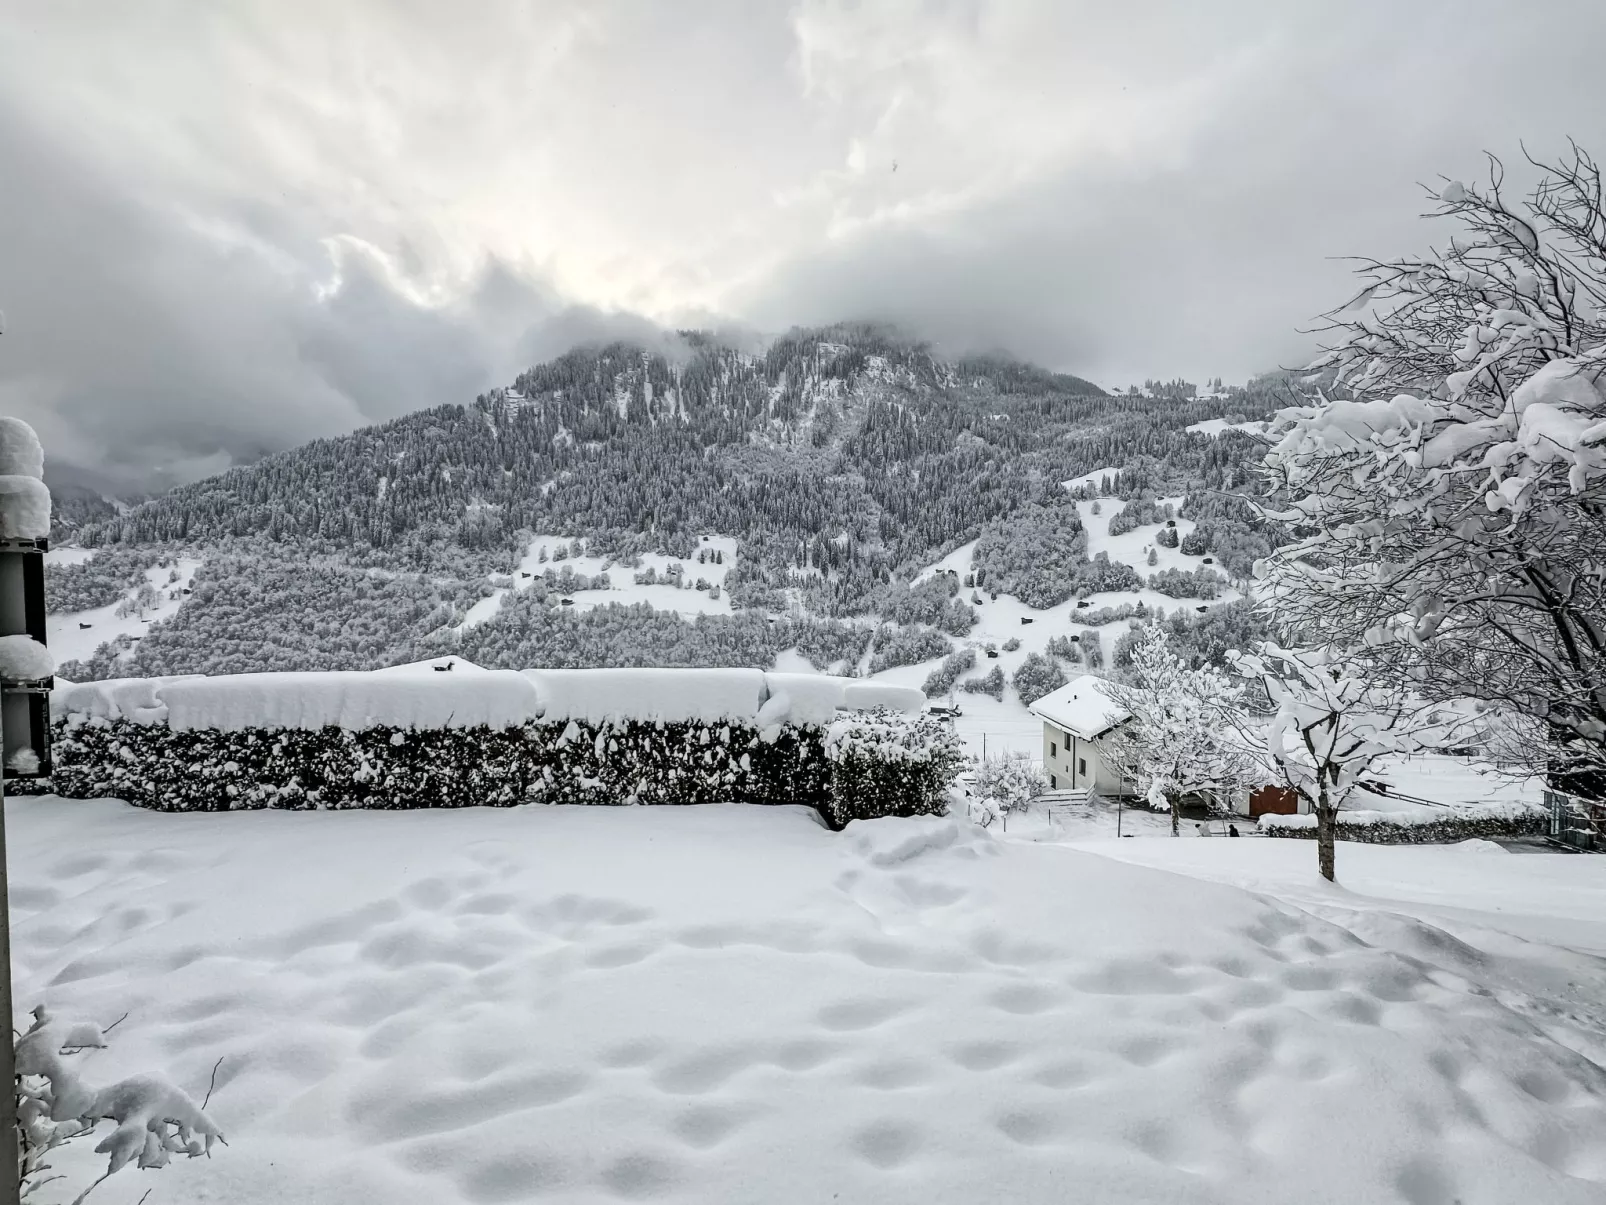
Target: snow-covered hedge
[415, 738]
[886, 764]
[1437, 827]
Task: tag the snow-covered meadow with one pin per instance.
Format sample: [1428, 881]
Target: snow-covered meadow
[734, 1004]
[77, 634]
[662, 594]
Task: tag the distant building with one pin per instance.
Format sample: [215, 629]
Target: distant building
[1081, 717]
[1078, 719]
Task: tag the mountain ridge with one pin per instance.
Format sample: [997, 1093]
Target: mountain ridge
[841, 461]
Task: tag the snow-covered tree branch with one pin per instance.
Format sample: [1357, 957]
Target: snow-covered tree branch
[1180, 740]
[1451, 515]
[153, 1119]
[1331, 724]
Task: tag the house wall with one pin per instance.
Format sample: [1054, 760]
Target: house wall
[1063, 754]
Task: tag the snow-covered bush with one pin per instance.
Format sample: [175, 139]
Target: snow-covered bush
[986, 811]
[907, 646]
[990, 683]
[1038, 676]
[153, 1119]
[941, 680]
[464, 739]
[887, 764]
[1012, 644]
[1014, 780]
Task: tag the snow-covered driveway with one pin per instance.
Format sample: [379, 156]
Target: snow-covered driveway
[735, 1005]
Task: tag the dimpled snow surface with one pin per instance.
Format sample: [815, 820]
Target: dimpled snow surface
[729, 1004]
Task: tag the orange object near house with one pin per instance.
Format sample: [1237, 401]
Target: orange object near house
[1273, 801]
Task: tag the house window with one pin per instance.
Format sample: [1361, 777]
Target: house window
[1053, 783]
[1053, 749]
[1081, 767]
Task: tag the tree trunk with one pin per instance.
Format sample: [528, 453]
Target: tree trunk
[1176, 815]
[1326, 833]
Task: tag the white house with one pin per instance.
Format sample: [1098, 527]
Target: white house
[1077, 719]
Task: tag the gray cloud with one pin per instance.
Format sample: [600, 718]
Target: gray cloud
[226, 237]
[148, 348]
[1218, 256]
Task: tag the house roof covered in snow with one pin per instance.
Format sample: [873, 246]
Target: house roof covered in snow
[1081, 707]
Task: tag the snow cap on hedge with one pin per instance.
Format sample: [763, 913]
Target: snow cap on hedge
[349, 699]
[595, 696]
[20, 453]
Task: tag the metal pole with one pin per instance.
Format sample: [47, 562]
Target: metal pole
[1120, 802]
[10, 1186]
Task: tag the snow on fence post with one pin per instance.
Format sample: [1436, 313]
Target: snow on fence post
[25, 664]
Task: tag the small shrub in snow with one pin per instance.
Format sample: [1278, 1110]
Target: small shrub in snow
[153, 1119]
[940, 681]
[1012, 644]
[1014, 780]
[990, 683]
[985, 811]
[887, 764]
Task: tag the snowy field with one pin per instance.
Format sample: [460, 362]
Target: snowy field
[725, 1004]
[73, 635]
[662, 595]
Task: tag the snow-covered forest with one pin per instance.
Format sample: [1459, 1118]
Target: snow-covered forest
[842, 462]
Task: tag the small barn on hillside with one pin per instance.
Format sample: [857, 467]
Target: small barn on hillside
[1077, 719]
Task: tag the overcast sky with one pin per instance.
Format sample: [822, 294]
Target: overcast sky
[227, 227]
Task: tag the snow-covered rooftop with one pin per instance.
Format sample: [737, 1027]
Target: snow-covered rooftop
[1081, 707]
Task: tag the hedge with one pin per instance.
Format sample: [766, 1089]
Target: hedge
[1420, 828]
[871, 764]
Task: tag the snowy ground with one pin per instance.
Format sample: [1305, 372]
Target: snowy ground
[622, 585]
[728, 1004]
[77, 634]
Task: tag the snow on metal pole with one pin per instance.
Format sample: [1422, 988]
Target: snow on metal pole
[26, 673]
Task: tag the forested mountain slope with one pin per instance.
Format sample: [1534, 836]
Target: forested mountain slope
[841, 460]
